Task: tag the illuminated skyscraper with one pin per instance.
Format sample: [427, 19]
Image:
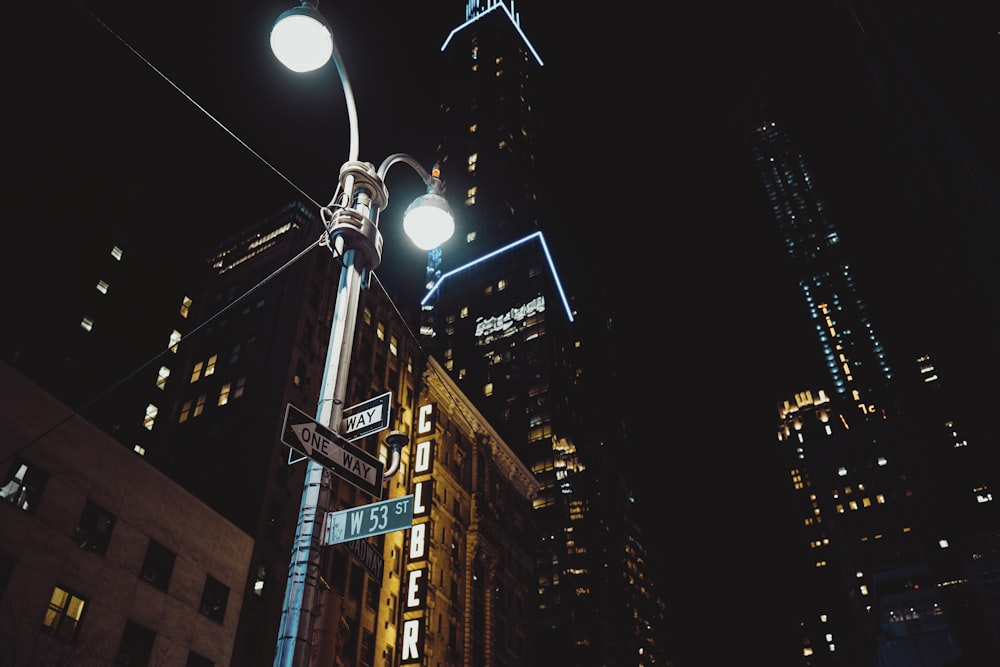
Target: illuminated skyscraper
[898, 546]
[499, 318]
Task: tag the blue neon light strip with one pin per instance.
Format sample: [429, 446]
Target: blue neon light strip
[470, 11]
[510, 246]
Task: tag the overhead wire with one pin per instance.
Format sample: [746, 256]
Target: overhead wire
[323, 240]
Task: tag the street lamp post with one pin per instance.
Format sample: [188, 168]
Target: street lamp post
[351, 222]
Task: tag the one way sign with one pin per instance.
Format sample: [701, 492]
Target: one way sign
[333, 451]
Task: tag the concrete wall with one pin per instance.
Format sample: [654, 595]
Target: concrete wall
[40, 549]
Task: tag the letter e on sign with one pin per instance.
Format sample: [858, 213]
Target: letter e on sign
[414, 590]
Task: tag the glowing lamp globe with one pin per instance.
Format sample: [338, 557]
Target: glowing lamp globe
[428, 221]
[301, 39]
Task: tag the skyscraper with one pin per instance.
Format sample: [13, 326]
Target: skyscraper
[897, 523]
[499, 317]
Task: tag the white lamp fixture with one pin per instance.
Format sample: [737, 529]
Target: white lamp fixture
[301, 39]
[428, 221]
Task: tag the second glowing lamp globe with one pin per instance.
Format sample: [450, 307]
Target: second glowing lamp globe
[303, 41]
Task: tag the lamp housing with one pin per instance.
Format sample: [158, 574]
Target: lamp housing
[428, 221]
[301, 39]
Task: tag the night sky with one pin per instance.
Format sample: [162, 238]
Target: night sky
[652, 181]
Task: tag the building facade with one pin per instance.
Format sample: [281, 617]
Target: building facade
[104, 560]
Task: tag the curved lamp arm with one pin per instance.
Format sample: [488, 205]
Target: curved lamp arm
[428, 220]
[303, 41]
[396, 158]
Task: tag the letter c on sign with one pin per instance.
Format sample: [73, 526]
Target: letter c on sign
[425, 419]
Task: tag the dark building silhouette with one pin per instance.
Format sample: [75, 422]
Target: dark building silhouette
[898, 524]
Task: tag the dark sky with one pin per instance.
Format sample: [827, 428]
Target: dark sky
[650, 180]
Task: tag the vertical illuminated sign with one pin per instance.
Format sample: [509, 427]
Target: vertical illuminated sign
[415, 593]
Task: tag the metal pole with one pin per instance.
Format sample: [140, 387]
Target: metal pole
[301, 590]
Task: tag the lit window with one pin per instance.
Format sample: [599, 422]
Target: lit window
[473, 128]
[64, 615]
[488, 389]
[393, 346]
[87, 324]
[161, 377]
[470, 196]
[185, 307]
[23, 485]
[185, 412]
[139, 449]
[470, 237]
[472, 161]
[151, 412]
[102, 287]
[196, 373]
[380, 331]
[258, 583]
[117, 253]
[224, 394]
[175, 338]
[464, 312]
[199, 406]
[210, 366]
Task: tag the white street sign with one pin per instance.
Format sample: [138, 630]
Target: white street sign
[367, 417]
[333, 451]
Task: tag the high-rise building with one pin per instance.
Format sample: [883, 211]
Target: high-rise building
[498, 316]
[898, 532]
